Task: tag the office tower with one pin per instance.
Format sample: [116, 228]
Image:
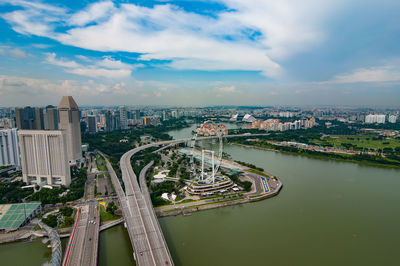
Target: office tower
[68, 113]
[51, 118]
[392, 118]
[137, 114]
[146, 121]
[123, 118]
[83, 125]
[39, 121]
[25, 118]
[109, 121]
[91, 121]
[44, 157]
[380, 119]
[116, 122]
[9, 150]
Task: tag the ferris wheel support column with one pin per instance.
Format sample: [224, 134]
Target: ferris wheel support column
[212, 162]
[202, 165]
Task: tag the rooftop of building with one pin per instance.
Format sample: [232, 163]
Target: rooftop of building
[12, 216]
[67, 102]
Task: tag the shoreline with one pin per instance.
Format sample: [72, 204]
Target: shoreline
[186, 211]
[320, 156]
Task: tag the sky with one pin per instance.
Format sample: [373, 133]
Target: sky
[200, 53]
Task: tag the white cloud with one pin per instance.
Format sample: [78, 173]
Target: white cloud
[373, 74]
[101, 72]
[31, 88]
[15, 52]
[189, 40]
[51, 59]
[92, 13]
[227, 89]
[106, 68]
[109, 62]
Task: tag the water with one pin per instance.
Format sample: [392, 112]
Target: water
[328, 213]
[24, 253]
[115, 247]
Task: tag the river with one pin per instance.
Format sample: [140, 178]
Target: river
[328, 213]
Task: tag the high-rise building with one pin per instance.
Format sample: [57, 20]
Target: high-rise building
[44, 157]
[25, 118]
[392, 118]
[39, 121]
[68, 113]
[137, 115]
[51, 118]
[109, 121]
[380, 119]
[9, 149]
[146, 121]
[123, 117]
[116, 122]
[91, 121]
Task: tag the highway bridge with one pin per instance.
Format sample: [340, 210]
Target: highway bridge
[82, 247]
[144, 231]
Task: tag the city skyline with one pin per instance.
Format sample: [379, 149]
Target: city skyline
[202, 53]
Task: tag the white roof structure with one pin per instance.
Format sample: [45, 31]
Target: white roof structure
[161, 175]
[248, 118]
[173, 196]
[164, 196]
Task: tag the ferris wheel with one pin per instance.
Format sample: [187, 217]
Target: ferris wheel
[216, 157]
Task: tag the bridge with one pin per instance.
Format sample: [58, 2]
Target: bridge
[82, 247]
[147, 239]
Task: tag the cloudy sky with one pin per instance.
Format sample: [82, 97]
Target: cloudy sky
[228, 52]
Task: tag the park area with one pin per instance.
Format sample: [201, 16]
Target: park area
[358, 142]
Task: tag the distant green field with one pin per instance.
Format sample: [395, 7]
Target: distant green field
[360, 141]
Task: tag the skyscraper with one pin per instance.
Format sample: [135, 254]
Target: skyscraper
[44, 157]
[91, 121]
[9, 150]
[68, 113]
[25, 118]
[51, 118]
[39, 121]
[123, 117]
[109, 121]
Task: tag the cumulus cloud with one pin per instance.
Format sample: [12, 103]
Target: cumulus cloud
[15, 86]
[92, 13]
[106, 68]
[247, 35]
[373, 74]
[101, 72]
[15, 52]
[51, 59]
[227, 89]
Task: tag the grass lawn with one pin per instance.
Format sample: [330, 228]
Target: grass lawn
[100, 163]
[360, 141]
[105, 216]
[254, 171]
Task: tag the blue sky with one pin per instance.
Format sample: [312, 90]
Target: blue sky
[227, 52]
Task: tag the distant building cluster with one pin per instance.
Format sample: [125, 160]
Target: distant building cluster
[380, 119]
[277, 125]
[209, 128]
